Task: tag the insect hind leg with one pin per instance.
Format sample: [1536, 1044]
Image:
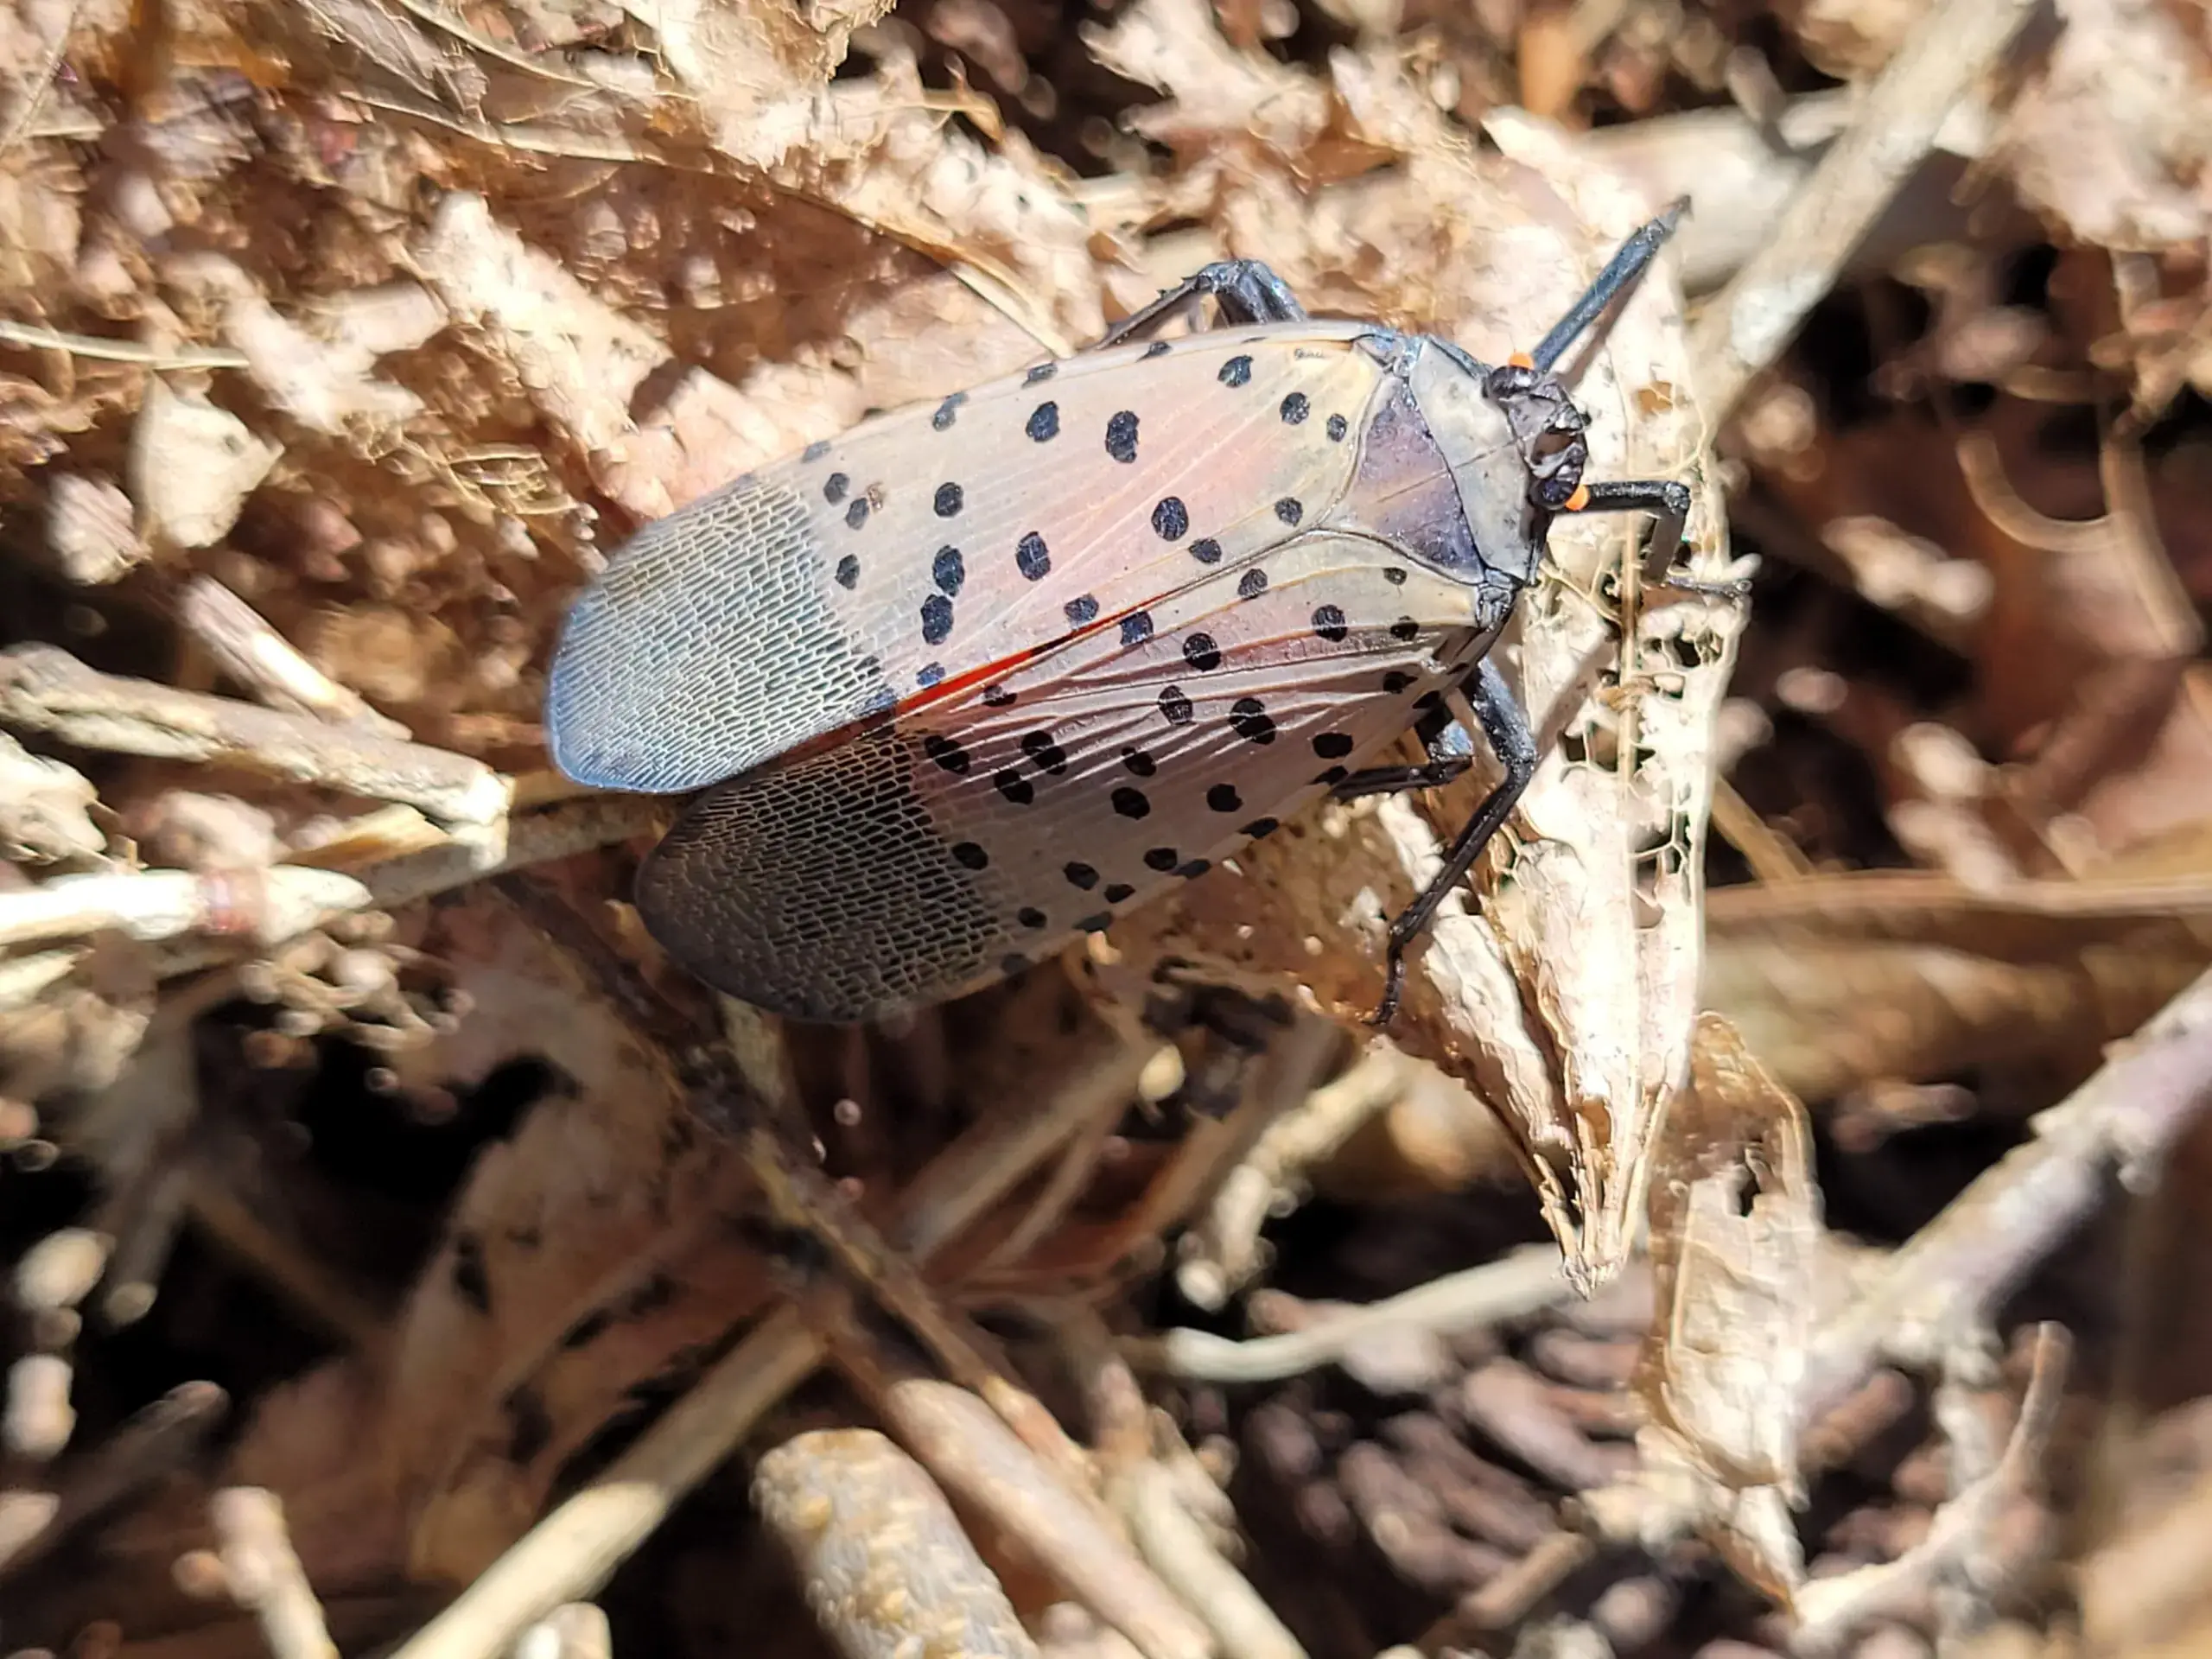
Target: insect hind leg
[1515, 745]
[1244, 292]
[1451, 751]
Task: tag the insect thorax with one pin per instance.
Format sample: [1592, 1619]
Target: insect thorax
[1442, 475]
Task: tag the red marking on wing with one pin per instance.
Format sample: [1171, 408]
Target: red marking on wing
[944, 689]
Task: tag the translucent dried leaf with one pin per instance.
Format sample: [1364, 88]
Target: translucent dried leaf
[1736, 1250]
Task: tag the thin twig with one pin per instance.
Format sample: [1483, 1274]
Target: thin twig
[1956, 1270]
[1070, 1534]
[1744, 171]
[414, 873]
[1228, 1236]
[46, 689]
[1520, 1284]
[259, 656]
[264, 1573]
[1177, 1547]
[1959, 1537]
[38, 74]
[1744, 327]
[265, 905]
[32, 335]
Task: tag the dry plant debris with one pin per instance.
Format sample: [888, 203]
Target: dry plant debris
[1767, 1229]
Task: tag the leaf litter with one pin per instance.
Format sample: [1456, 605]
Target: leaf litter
[439, 1236]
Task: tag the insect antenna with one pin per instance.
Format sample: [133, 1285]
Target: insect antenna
[1623, 268]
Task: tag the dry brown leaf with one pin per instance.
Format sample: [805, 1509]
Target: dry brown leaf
[323, 379]
[192, 466]
[1219, 96]
[2114, 138]
[1741, 1269]
[1567, 1002]
[44, 809]
[1736, 1252]
[766, 65]
[580, 1258]
[1839, 980]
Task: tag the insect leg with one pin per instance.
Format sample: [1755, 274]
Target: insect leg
[1451, 751]
[1515, 745]
[1667, 500]
[1244, 291]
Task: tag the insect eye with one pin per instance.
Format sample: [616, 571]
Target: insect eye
[1552, 442]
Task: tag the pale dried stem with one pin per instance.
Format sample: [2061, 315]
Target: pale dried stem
[1228, 1236]
[38, 75]
[1957, 1554]
[1179, 1549]
[46, 689]
[1937, 1297]
[575, 1549]
[183, 358]
[266, 905]
[1070, 1179]
[1514, 1287]
[559, 831]
[1742, 329]
[1283, 1075]
[556, 832]
[256, 655]
[264, 1573]
[801, 1196]
[888, 1568]
[577, 1630]
[1115, 1408]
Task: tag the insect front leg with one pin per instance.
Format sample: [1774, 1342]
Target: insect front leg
[1667, 501]
[1244, 291]
[1515, 745]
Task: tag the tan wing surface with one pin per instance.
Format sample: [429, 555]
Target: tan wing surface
[971, 837]
[934, 544]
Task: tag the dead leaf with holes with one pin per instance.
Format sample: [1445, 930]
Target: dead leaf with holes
[1566, 1000]
[1741, 1266]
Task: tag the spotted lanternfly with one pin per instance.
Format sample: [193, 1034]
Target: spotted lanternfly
[977, 676]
